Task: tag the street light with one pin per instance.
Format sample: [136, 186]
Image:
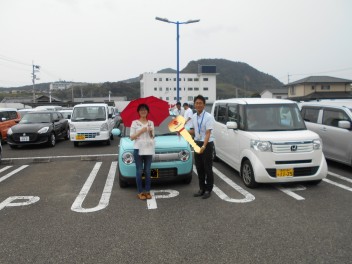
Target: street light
[178, 48]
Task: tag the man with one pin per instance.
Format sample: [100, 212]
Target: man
[178, 110]
[202, 128]
[188, 114]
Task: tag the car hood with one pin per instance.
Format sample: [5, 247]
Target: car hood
[28, 128]
[297, 135]
[171, 142]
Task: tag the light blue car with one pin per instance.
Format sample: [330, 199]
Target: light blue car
[173, 157]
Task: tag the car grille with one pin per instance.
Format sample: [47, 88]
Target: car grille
[32, 136]
[167, 173]
[289, 147]
[166, 157]
[297, 172]
[87, 135]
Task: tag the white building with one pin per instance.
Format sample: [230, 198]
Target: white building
[163, 85]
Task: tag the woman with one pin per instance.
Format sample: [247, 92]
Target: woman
[142, 132]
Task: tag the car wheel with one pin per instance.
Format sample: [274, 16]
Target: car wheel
[188, 179]
[111, 137]
[52, 140]
[108, 142]
[215, 158]
[67, 134]
[247, 174]
[75, 143]
[122, 183]
[316, 182]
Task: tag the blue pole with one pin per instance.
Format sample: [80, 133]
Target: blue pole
[178, 63]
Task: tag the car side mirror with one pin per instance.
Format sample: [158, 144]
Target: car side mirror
[109, 115]
[231, 125]
[116, 132]
[344, 124]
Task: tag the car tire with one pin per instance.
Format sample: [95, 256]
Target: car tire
[247, 174]
[215, 158]
[108, 142]
[67, 137]
[122, 183]
[188, 179]
[75, 143]
[111, 137]
[316, 182]
[52, 140]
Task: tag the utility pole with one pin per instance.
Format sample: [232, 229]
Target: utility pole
[35, 68]
[288, 78]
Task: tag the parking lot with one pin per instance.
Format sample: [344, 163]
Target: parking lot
[64, 205]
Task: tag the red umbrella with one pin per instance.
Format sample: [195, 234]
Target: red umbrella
[158, 110]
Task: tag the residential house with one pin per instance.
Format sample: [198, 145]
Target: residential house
[279, 93]
[319, 87]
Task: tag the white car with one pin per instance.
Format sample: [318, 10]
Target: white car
[267, 141]
[91, 122]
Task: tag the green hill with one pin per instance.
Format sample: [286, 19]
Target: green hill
[233, 78]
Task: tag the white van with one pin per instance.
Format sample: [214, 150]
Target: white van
[91, 122]
[267, 141]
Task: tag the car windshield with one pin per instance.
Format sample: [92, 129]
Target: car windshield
[162, 130]
[89, 113]
[66, 114]
[35, 118]
[273, 117]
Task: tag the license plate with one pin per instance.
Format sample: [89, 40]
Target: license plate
[24, 139]
[284, 173]
[154, 174]
[80, 137]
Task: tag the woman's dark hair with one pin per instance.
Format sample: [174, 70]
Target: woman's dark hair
[199, 97]
[143, 106]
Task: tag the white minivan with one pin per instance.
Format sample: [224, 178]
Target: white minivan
[91, 122]
[267, 141]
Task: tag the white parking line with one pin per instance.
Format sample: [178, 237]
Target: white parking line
[289, 191]
[104, 200]
[5, 168]
[339, 184]
[13, 172]
[339, 176]
[248, 197]
[59, 157]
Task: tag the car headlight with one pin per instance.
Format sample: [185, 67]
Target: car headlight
[184, 155]
[261, 145]
[72, 128]
[9, 131]
[127, 158]
[104, 127]
[43, 130]
[316, 144]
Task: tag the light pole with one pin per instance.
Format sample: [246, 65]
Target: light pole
[178, 49]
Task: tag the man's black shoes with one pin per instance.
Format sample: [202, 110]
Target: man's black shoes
[206, 195]
[199, 193]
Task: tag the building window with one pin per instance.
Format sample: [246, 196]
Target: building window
[190, 89]
[313, 87]
[174, 88]
[174, 79]
[167, 98]
[190, 98]
[196, 88]
[167, 79]
[325, 87]
[292, 90]
[206, 97]
[155, 79]
[205, 79]
[155, 89]
[167, 88]
[190, 79]
[196, 79]
[160, 88]
[160, 79]
[205, 89]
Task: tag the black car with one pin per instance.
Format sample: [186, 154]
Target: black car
[38, 127]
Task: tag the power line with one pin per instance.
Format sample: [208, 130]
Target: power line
[5, 58]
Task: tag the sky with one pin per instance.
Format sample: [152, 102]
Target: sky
[97, 41]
